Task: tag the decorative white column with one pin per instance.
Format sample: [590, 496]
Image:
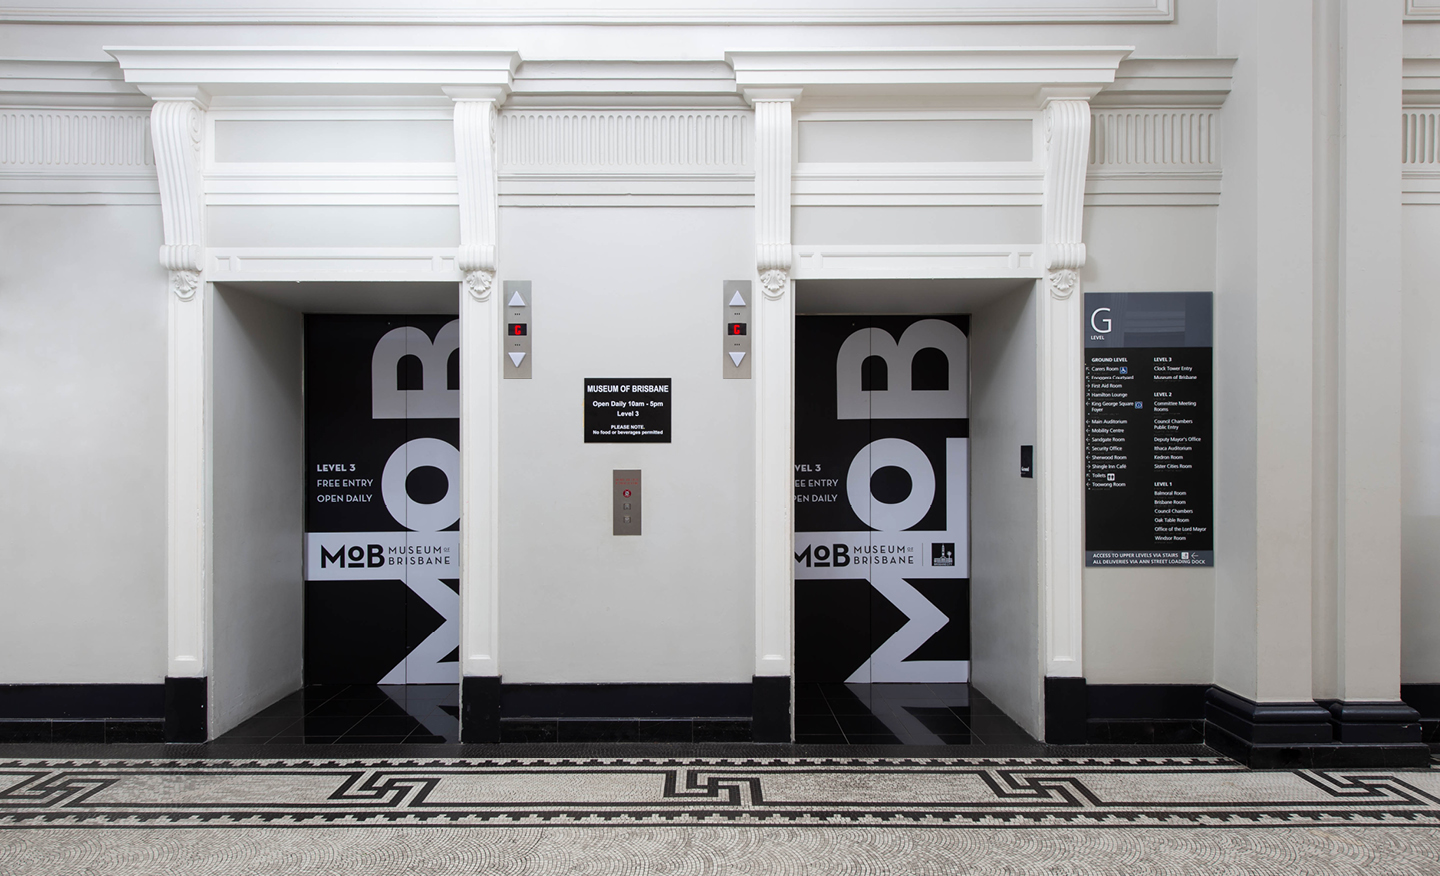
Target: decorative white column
[1060, 459]
[475, 117]
[774, 314]
[177, 125]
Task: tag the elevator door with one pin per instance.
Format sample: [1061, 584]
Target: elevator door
[881, 499]
[382, 516]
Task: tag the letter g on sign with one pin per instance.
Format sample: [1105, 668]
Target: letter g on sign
[1096, 315]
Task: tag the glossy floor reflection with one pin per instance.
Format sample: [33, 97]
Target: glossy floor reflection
[904, 714]
[357, 713]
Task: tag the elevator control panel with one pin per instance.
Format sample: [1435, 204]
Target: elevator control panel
[626, 488]
[735, 361]
[518, 328]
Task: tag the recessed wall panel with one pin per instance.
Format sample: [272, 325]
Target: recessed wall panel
[916, 140]
[340, 140]
[332, 226]
[914, 225]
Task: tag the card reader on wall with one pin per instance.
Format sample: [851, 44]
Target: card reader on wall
[626, 501]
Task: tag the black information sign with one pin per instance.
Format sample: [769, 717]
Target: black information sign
[627, 410]
[1149, 466]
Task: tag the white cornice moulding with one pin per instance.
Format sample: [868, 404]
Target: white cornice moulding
[1169, 82]
[1024, 74]
[611, 79]
[88, 84]
[922, 12]
[1420, 81]
[227, 71]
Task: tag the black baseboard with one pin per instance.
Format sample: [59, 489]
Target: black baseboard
[1065, 710]
[82, 702]
[185, 709]
[1303, 734]
[635, 701]
[634, 712]
[1425, 699]
[1369, 723]
[1143, 714]
[85, 730]
[770, 708]
[480, 709]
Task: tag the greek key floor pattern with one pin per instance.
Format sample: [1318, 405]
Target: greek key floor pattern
[711, 815]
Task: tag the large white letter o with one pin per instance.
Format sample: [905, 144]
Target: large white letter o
[882, 515]
[416, 516]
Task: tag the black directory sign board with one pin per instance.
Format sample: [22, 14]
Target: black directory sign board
[1149, 460]
[627, 410]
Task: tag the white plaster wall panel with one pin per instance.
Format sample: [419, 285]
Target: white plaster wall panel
[257, 606]
[626, 293]
[334, 140]
[1152, 625]
[851, 225]
[1149, 249]
[1422, 38]
[82, 445]
[337, 226]
[1420, 537]
[1005, 649]
[910, 140]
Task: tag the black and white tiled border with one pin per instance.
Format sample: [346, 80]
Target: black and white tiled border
[817, 791]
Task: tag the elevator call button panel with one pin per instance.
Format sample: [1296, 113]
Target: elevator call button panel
[626, 489]
[735, 360]
[518, 327]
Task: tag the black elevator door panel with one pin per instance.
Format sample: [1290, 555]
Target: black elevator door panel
[380, 399]
[858, 584]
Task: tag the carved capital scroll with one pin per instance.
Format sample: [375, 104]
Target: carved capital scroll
[773, 157]
[177, 126]
[479, 207]
[1067, 138]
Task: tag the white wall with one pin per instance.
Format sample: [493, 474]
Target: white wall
[1420, 545]
[1004, 527]
[626, 293]
[1149, 625]
[82, 445]
[256, 595]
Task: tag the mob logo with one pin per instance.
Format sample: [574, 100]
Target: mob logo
[825, 556]
[942, 553]
[354, 557]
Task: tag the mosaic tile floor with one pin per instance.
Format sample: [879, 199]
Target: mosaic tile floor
[708, 814]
